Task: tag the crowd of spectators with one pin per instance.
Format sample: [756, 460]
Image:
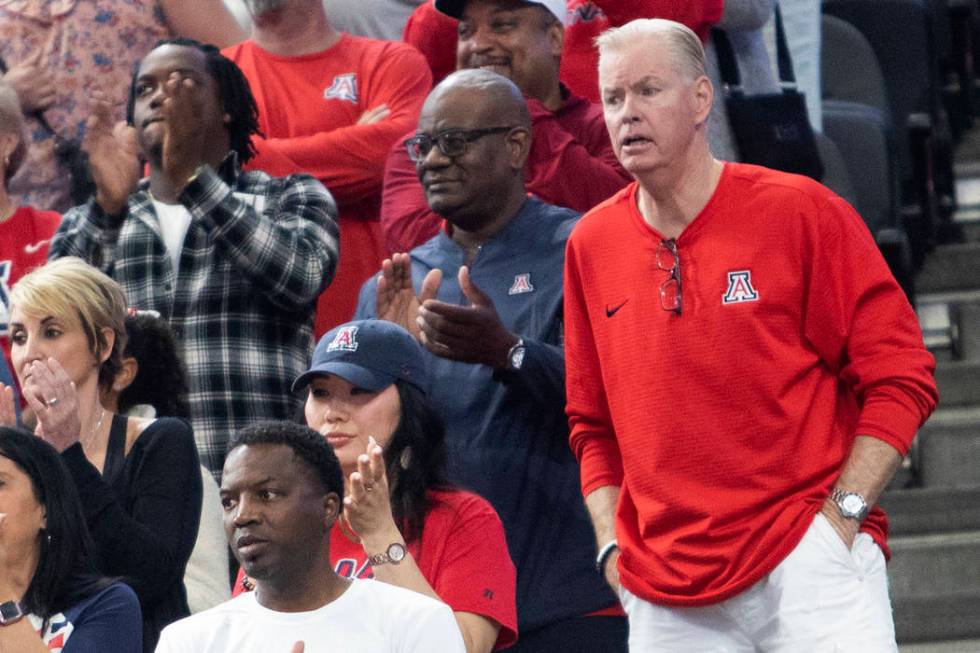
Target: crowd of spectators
[302, 284]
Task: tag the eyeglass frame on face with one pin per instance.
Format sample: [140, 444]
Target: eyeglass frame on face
[467, 136]
[670, 245]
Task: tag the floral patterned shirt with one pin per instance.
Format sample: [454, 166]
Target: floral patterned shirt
[86, 45]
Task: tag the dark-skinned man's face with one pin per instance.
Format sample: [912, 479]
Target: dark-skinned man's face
[465, 189]
[162, 64]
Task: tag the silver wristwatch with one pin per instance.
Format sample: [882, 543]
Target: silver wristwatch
[395, 554]
[851, 504]
[515, 356]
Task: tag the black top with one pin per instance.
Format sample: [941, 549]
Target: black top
[143, 513]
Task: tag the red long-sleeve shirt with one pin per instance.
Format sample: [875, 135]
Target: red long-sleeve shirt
[727, 426]
[309, 106]
[568, 146]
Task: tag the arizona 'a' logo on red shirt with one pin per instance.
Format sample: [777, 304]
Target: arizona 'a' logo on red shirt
[740, 288]
[344, 87]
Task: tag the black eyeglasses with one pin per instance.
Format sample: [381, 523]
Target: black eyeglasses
[451, 142]
[668, 260]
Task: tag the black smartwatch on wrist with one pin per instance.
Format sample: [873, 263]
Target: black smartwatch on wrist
[11, 612]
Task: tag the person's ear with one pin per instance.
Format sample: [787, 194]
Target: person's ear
[556, 38]
[518, 147]
[109, 336]
[331, 509]
[8, 143]
[127, 374]
[702, 96]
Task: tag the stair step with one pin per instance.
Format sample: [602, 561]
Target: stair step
[935, 565]
[951, 267]
[959, 646]
[949, 448]
[931, 618]
[932, 510]
[959, 383]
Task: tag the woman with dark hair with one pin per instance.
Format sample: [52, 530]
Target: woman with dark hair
[47, 568]
[402, 522]
[139, 479]
[151, 383]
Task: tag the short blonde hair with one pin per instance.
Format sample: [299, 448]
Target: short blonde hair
[70, 288]
[683, 43]
[12, 122]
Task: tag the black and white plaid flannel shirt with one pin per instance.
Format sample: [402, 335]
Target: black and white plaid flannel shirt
[258, 253]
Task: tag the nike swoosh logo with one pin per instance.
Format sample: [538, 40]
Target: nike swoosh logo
[612, 311]
[33, 248]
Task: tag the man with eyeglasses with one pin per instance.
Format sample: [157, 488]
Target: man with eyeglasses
[744, 377]
[484, 297]
[331, 105]
[523, 42]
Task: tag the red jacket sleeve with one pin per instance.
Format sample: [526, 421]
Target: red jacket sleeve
[592, 438]
[862, 325]
[406, 220]
[558, 163]
[350, 161]
[433, 33]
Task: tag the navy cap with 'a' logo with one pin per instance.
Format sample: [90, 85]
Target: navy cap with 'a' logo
[370, 354]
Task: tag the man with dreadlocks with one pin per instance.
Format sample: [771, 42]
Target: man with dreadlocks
[233, 260]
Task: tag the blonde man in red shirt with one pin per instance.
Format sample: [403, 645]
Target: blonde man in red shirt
[743, 376]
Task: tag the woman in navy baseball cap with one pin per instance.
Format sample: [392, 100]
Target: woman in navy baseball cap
[403, 523]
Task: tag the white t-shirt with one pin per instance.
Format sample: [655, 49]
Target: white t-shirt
[174, 220]
[370, 617]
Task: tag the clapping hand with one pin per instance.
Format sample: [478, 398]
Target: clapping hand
[367, 507]
[51, 393]
[113, 156]
[33, 84]
[395, 297]
[184, 141]
[8, 412]
[472, 334]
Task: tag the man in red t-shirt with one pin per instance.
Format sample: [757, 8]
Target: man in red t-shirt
[332, 105]
[571, 163]
[25, 232]
[744, 376]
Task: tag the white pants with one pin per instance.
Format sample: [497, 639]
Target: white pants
[821, 598]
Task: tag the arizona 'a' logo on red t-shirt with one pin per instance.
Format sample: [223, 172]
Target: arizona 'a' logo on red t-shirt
[739, 288]
[344, 87]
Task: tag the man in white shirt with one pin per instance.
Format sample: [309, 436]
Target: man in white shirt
[280, 492]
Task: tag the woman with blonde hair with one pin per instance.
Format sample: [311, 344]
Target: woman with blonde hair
[138, 479]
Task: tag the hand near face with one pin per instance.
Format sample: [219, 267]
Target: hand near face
[33, 84]
[51, 394]
[395, 297]
[183, 138]
[8, 413]
[113, 156]
[471, 334]
[367, 507]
